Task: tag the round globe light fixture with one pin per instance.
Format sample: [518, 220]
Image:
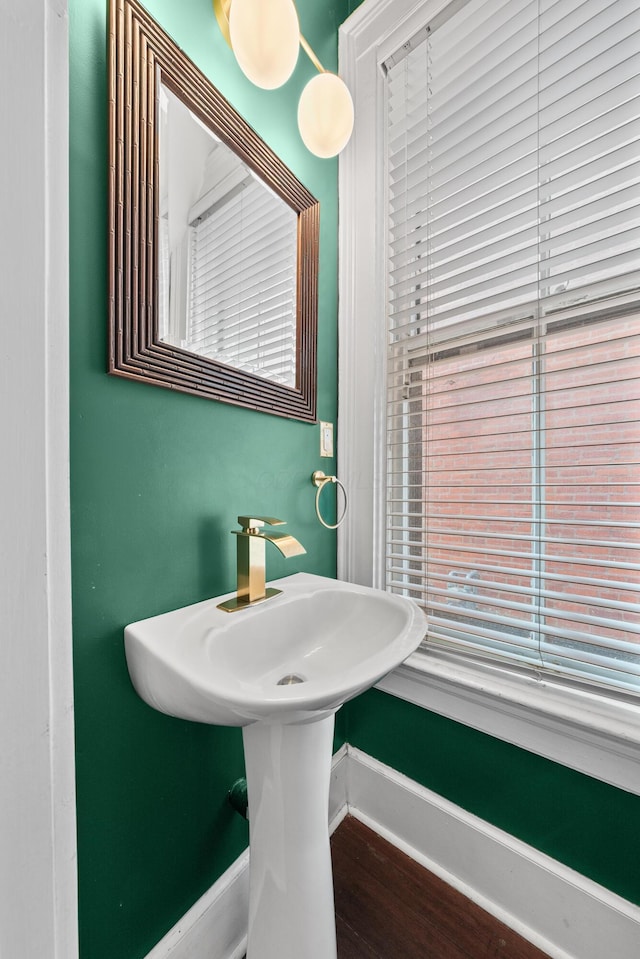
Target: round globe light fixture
[325, 115]
[265, 38]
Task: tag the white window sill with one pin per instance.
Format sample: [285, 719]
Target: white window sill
[578, 726]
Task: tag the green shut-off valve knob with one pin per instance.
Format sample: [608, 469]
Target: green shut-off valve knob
[238, 797]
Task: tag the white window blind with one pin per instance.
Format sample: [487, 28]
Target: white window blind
[242, 299]
[513, 183]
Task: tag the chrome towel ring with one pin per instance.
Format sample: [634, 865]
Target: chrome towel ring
[319, 479]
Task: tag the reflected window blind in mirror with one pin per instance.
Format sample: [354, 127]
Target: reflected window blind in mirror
[242, 300]
[513, 365]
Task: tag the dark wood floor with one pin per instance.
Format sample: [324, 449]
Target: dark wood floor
[390, 907]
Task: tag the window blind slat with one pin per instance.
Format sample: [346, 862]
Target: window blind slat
[262, 286]
[454, 75]
[265, 324]
[242, 303]
[579, 44]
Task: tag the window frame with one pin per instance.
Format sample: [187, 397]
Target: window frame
[586, 727]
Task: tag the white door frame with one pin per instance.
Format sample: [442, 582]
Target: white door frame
[38, 888]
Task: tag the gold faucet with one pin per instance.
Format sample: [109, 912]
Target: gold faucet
[252, 561]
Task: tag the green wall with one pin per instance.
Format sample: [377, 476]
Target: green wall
[157, 481]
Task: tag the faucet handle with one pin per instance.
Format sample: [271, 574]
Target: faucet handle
[253, 522]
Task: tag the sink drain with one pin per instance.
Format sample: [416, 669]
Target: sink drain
[290, 680]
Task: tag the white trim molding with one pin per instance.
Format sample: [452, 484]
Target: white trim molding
[562, 912]
[38, 897]
[574, 725]
[216, 925]
[595, 732]
[366, 39]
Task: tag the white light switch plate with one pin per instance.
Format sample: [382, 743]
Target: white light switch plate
[326, 439]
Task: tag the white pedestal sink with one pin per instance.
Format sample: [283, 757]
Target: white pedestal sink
[279, 669]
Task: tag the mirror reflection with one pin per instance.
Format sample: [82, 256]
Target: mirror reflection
[227, 254]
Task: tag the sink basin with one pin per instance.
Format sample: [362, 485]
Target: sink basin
[293, 659]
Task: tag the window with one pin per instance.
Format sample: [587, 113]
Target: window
[513, 358]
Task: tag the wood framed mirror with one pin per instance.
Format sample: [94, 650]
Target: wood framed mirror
[213, 242]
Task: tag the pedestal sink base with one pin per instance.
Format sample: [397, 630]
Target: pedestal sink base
[291, 911]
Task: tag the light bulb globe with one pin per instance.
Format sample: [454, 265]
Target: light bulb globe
[325, 115]
[265, 38]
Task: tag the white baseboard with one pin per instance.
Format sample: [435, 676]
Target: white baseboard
[216, 925]
[562, 912]
[338, 804]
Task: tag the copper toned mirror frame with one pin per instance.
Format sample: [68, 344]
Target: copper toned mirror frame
[141, 56]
